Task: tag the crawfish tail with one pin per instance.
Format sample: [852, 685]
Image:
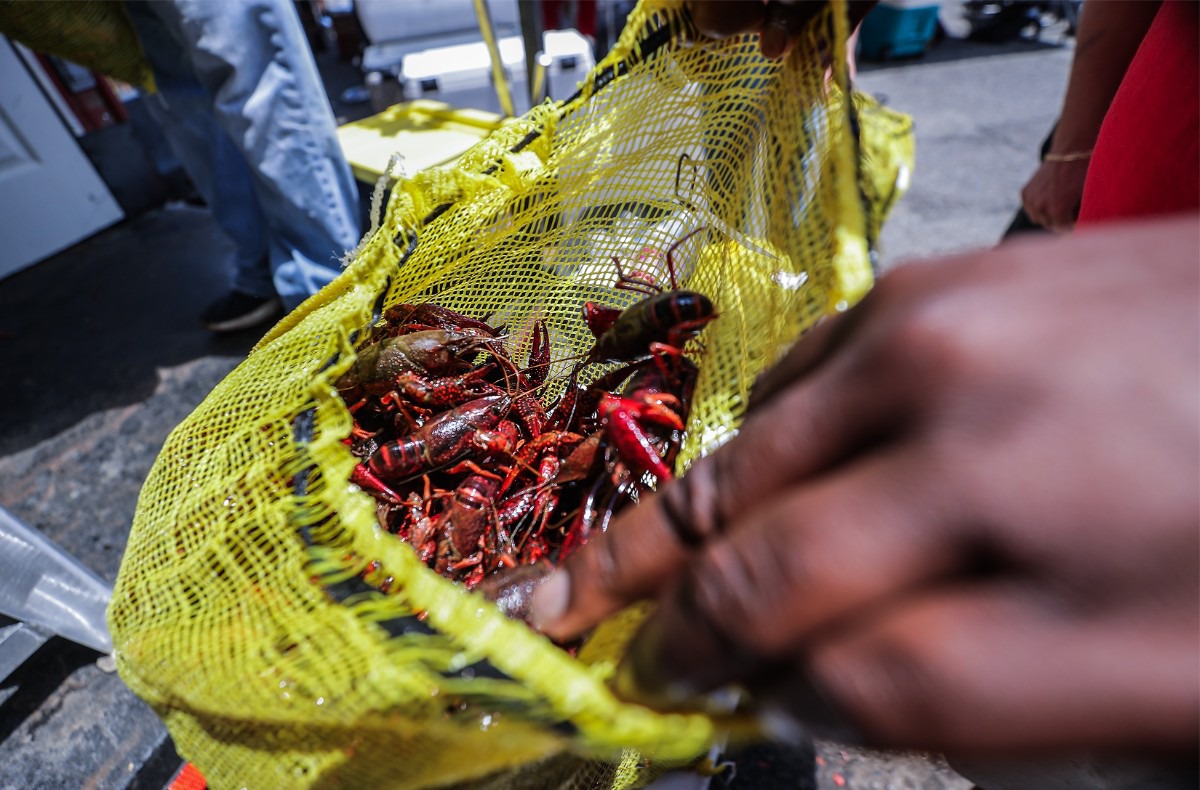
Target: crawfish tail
[470, 511]
[399, 459]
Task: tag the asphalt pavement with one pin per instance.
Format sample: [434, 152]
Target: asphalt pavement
[103, 355]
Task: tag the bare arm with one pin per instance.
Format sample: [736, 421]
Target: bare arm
[1109, 35]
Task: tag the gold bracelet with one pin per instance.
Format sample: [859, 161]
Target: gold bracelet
[1072, 156]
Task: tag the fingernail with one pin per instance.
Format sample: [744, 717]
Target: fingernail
[773, 40]
[550, 600]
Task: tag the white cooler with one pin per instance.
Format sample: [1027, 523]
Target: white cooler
[460, 73]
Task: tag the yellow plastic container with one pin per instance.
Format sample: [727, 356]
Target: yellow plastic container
[425, 134]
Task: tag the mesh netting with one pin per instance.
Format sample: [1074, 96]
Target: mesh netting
[242, 613]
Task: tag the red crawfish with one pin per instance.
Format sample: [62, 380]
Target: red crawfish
[664, 317]
[430, 352]
[542, 456]
[444, 391]
[408, 317]
[446, 438]
[473, 509]
[623, 417]
[623, 420]
[661, 390]
[469, 512]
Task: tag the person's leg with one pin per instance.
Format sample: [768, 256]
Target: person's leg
[183, 110]
[253, 59]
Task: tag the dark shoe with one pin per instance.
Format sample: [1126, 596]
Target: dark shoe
[237, 310]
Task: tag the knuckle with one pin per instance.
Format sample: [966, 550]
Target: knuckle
[692, 504]
[604, 568]
[928, 341]
[734, 588]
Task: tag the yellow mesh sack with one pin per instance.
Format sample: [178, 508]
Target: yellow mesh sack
[244, 613]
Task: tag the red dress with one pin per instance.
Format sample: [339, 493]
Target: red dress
[1147, 156]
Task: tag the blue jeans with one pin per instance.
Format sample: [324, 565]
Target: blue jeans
[242, 104]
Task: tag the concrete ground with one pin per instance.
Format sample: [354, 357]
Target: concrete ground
[103, 355]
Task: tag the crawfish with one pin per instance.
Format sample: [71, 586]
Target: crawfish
[446, 438]
[430, 352]
[530, 455]
[445, 391]
[407, 317]
[624, 420]
[469, 512]
[664, 318]
[655, 395]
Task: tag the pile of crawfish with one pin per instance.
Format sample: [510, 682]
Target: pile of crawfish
[481, 475]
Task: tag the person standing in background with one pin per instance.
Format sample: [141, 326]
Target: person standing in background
[1110, 35]
[243, 107]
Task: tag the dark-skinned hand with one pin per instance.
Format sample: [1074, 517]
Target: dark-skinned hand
[777, 23]
[1053, 193]
[963, 516]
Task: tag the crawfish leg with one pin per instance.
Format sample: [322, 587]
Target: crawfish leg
[539, 355]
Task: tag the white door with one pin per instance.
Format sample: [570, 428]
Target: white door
[50, 195]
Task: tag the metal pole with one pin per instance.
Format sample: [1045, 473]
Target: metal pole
[499, 73]
[531, 36]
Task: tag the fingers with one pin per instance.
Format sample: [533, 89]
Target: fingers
[786, 571]
[996, 669]
[724, 18]
[636, 556]
[795, 435]
[778, 22]
[1051, 197]
[782, 24]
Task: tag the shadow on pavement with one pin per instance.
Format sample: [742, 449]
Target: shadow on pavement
[87, 329]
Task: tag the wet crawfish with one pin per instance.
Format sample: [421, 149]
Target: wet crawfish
[430, 352]
[664, 318]
[446, 438]
[491, 484]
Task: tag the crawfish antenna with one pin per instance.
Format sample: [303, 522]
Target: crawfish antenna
[671, 259]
